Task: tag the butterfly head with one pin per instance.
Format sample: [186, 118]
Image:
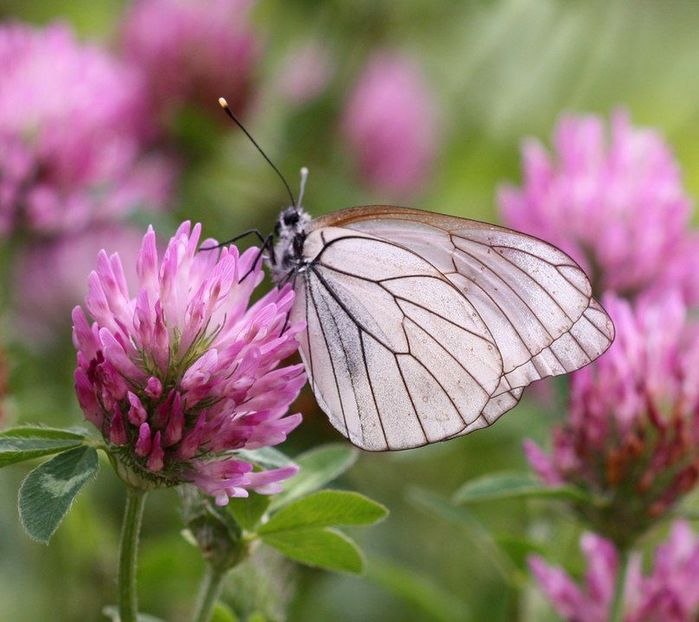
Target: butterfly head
[290, 232]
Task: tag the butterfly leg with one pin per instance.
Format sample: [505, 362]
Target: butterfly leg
[244, 234]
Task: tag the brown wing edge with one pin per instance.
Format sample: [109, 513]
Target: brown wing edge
[446, 222]
[349, 215]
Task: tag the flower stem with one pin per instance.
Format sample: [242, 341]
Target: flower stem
[616, 613]
[130, 529]
[209, 591]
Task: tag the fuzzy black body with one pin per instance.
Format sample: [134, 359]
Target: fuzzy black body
[286, 258]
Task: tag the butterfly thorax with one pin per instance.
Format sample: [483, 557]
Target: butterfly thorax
[290, 231]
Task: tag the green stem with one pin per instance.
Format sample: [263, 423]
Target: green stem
[130, 529]
[209, 591]
[617, 609]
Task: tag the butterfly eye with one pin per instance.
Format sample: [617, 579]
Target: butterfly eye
[291, 219]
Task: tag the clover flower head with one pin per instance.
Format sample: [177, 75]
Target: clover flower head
[73, 133]
[183, 373]
[668, 592]
[192, 52]
[390, 124]
[305, 72]
[632, 434]
[611, 198]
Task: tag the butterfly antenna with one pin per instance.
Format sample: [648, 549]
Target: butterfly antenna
[302, 188]
[224, 104]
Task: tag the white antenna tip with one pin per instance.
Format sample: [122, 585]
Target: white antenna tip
[222, 102]
[304, 177]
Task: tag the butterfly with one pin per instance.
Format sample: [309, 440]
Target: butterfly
[422, 327]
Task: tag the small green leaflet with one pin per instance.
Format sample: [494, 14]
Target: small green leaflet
[223, 613]
[508, 485]
[47, 493]
[27, 442]
[323, 548]
[325, 508]
[303, 529]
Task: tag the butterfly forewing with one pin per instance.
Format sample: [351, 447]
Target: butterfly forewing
[392, 336]
[422, 326]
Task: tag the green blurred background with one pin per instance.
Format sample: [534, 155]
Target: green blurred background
[500, 71]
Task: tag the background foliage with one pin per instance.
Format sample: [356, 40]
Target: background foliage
[499, 70]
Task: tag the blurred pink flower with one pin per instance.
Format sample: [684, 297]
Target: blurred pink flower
[305, 73]
[57, 270]
[632, 435]
[181, 375]
[192, 52]
[615, 202]
[670, 591]
[681, 270]
[72, 129]
[390, 124]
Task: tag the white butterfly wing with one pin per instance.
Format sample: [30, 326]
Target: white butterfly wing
[422, 327]
[589, 337]
[383, 379]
